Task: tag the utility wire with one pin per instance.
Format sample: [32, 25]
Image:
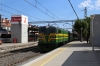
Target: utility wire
[78, 19]
[9, 13]
[6, 11]
[73, 9]
[17, 11]
[47, 9]
[71, 15]
[39, 9]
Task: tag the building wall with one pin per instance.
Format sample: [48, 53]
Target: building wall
[95, 31]
[16, 33]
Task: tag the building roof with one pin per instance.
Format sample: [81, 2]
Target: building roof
[6, 22]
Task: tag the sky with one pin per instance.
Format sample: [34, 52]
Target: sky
[56, 9]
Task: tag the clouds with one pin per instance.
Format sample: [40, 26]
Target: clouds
[90, 4]
[97, 4]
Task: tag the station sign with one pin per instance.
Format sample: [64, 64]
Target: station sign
[15, 19]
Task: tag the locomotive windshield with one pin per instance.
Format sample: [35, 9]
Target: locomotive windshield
[47, 30]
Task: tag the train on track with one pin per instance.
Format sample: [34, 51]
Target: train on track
[51, 37]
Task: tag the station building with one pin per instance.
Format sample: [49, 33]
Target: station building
[32, 29]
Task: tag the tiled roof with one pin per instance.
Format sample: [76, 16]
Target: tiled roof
[6, 22]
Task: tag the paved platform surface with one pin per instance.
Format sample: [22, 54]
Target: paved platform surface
[14, 46]
[72, 54]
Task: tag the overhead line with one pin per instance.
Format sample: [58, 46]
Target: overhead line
[17, 11]
[38, 9]
[73, 9]
[10, 12]
[6, 11]
[47, 9]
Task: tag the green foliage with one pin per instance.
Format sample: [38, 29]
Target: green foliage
[85, 33]
[77, 25]
[84, 25]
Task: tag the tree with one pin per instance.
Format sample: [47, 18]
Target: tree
[82, 25]
[77, 26]
[85, 27]
[88, 19]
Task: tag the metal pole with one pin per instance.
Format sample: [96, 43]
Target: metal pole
[92, 17]
[85, 12]
[0, 21]
[73, 9]
[81, 35]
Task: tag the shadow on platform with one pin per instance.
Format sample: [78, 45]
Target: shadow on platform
[83, 58]
[80, 44]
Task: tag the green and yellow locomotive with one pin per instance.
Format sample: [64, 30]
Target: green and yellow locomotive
[51, 37]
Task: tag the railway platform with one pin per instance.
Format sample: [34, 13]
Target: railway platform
[75, 53]
[5, 47]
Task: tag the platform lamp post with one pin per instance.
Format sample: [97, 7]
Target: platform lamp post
[91, 31]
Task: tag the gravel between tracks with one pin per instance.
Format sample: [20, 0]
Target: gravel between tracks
[18, 57]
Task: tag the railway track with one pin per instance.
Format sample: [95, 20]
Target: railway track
[15, 57]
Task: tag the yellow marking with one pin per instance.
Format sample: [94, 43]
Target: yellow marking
[55, 38]
[41, 34]
[42, 39]
[53, 34]
[54, 56]
[58, 38]
[46, 59]
[49, 37]
[57, 35]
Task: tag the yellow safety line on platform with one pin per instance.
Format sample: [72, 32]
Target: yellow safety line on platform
[48, 59]
[54, 56]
